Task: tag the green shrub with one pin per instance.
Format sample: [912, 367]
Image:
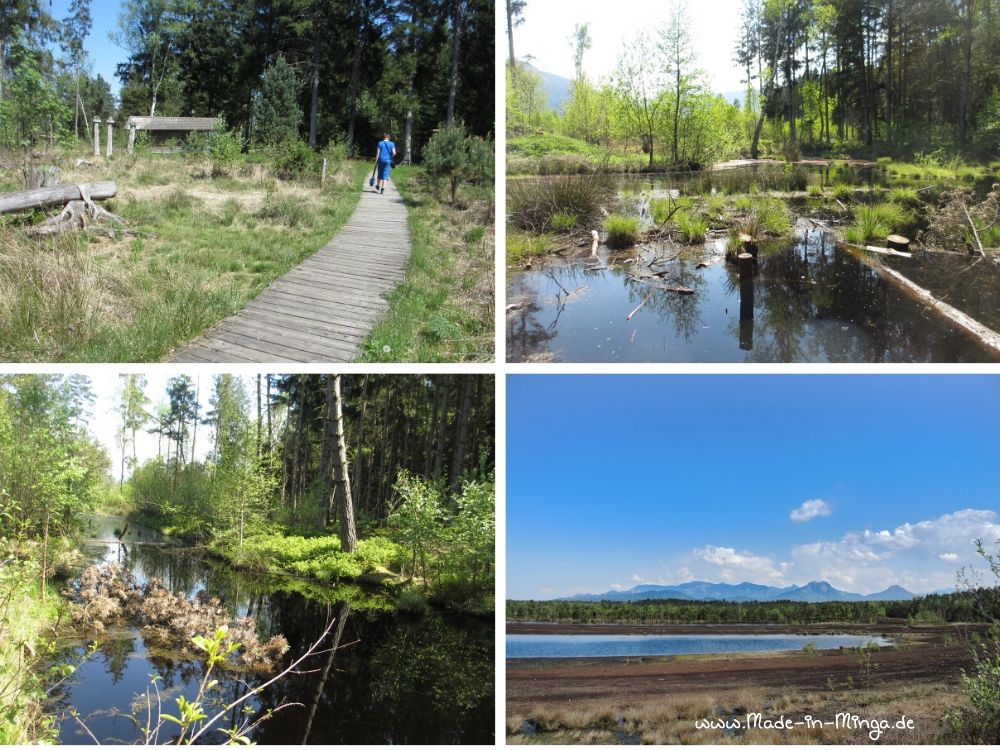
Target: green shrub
[293, 159]
[810, 649]
[226, 148]
[622, 231]
[815, 191]
[453, 154]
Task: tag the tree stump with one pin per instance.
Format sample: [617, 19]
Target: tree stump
[36, 177]
[749, 244]
[898, 242]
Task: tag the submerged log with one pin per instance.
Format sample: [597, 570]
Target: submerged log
[55, 196]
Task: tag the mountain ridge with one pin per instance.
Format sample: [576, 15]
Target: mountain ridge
[812, 592]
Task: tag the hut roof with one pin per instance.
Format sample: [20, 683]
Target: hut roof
[172, 123]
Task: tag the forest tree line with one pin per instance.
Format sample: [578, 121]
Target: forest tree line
[932, 608]
[351, 68]
[821, 76]
[283, 429]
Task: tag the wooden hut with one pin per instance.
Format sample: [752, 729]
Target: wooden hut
[165, 128]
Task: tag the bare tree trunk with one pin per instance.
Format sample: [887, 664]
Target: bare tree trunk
[462, 436]
[456, 43]
[260, 423]
[342, 481]
[408, 137]
[442, 426]
[352, 94]
[314, 98]
[510, 37]
[963, 106]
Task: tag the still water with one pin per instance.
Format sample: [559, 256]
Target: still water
[394, 679]
[810, 301]
[569, 646]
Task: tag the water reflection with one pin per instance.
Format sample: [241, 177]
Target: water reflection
[381, 678]
[809, 302]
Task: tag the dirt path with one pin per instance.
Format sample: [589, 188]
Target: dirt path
[322, 309]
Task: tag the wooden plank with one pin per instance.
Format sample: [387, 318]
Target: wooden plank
[321, 310]
[270, 336]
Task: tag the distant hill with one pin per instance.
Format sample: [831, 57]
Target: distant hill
[814, 591]
[556, 88]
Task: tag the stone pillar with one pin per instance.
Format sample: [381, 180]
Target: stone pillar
[131, 138]
[97, 136]
[111, 124]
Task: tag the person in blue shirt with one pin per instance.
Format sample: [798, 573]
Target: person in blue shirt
[383, 154]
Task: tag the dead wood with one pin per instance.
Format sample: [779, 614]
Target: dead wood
[56, 196]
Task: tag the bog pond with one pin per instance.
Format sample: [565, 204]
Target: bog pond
[810, 300]
[394, 679]
[574, 646]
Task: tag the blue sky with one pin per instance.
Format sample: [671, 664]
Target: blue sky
[619, 480]
[104, 55]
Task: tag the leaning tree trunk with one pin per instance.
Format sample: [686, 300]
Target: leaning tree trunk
[341, 496]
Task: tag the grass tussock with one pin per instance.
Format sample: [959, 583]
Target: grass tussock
[197, 250]
[522, 245]
[444, 310]
[622, 231]
[533, 204]
[878, 220]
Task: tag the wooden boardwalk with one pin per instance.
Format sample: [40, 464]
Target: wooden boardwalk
[322, 309]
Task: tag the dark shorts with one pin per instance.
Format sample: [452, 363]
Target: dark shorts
[383, 170]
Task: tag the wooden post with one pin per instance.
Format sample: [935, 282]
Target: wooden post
[322, 178]
[111, 124]
[97, 136]
[746, 261]
[131, 138]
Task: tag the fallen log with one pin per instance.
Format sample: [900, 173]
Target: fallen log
[887, 251]
[55, 196]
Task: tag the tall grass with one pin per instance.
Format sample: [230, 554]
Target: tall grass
[532, 203]
[197, 256]
[443, 311]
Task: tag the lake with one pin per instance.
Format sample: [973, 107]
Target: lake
[574, 646]
[394, 679]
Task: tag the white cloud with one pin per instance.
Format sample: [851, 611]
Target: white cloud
[922, 556]
[735, 567]
[811, 509]
[908, 554]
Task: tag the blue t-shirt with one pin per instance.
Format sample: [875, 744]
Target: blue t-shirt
[385, 149]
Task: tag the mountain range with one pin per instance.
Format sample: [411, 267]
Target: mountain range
[814, 591]
[557, 88]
